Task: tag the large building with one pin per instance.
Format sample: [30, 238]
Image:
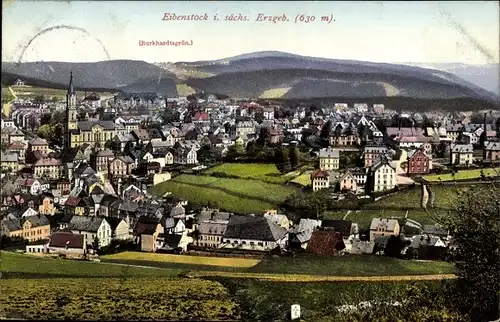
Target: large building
[94, 134]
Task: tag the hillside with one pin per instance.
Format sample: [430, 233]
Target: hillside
[308, 83]
[112, 74]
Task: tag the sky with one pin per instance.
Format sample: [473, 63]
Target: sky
[377, 31]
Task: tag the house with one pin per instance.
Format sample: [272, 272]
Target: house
[9, 162]
[47, 167]
[280, 220]
[174, 226]
[121, 167]
[253, 233]
[97, 230]
[461, 154]
[148, 229]
[435, 230]
[120, 228]
[47, 205]
[185, 156]
[325, 242]
[348, 182]
[101, 159]
[382, 227]
[31, 186]
[418, 163]
[38, 144]
[68, 244]
[211, 233]
[320, 180]
[30, 228]
[382, 175]
[347, 229]
[372, 152]
[344, 134]
[19, 82]
[38, 246]
[329, 159]
[491, 152]
[172, 243]
[301, 234]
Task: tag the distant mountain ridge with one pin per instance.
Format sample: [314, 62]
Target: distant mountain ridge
[269, 74]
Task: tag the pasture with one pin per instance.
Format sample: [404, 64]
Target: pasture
[235, 195]
[258, 171]
[464, 175]
[26, 92]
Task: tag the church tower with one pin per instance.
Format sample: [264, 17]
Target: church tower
[71, 120]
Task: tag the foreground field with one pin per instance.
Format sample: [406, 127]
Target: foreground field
[234, 195]
[302, 267]
[138, 298]
[319, 301]
[464, 175]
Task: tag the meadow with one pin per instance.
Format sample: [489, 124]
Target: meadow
[301, 267]
[464, 175]
[45, 288]
[6, 95]
[259, 171]
[234, 195]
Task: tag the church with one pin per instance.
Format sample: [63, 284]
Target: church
[93, 133]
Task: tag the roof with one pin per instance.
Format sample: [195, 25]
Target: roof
[38, 220]
[341, 226]
[171, 240]
[146, 225]
[388, 224]
[88, 125]
[319, 174]
[325, 242]
[462, 148]
[329, 153]
[253, 228]
[10, 157]
[63, 239]
[492, 146]
[210, 227]
[85, 223]
[47, 162]
[435, 230]
[38, 141]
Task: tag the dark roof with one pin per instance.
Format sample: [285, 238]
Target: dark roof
[146, 225]
[38, 220]
[434, 230]
[171, 240]
[325, 242]
[254, 228]
[341, 226]
[113, 222]
[63, 239]
[85, 223]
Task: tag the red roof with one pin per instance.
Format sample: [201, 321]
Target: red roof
[325, 242]
[63, 239]
[199, 116]
[319, 174]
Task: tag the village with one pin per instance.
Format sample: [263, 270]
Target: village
[79, 177]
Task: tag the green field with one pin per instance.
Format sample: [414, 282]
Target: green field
[304, 179]
[275, 92]
[258, 171]
[464, 175]
[234, 195]
[6, 95]
[185, 90]
[303, 264]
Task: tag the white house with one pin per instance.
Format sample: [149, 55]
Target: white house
[382, 175]
[92, 228]
[461, 154]
[254, 234]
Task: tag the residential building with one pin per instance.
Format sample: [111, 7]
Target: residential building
[38, 144]
[9, 162]
[68, 244]
[94, 229]
[211, 233]
[380, 227]
[121, 167]
[372, 152]
[491, 152]
[30, 228]
[47, 167]
[329, 159]
[147, 229]
[382, 175]
[320, 180]
[461, 154]
[418, 163]
[326, 243]
[254, 233]
[348, 182]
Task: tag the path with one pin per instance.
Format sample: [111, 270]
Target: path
[306, 278]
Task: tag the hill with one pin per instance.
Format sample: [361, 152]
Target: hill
[111, 74]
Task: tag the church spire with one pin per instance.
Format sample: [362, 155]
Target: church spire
[70, 88]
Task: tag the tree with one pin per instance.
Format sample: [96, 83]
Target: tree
[326, 130]
[58, 117]
[206, 154]
[46, 131]
[39, 99]
[394, 247]
[54, 99]
[294, 157]
[475, 226]
[113, 145]
[282, 160]
[45, 119]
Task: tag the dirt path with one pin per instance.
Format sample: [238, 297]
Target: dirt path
[305, 277]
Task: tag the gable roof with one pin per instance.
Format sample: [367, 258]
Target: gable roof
[338, 225]
[63, 239]
[388, 224]
[253, 228]
[325, 242]
[85, 223]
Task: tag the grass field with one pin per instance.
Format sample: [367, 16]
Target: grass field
[303, 267]
[235, 195]
[275, 92]
[318, 300]
[463, 175]
[6, 94]
[44, 288]
[259, 171]
[186, 259]
[185, 90]
[304, 179]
